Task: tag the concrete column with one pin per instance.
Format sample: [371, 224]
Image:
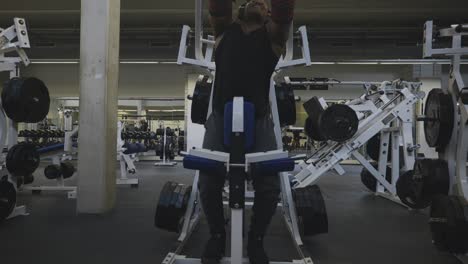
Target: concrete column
[99, 72]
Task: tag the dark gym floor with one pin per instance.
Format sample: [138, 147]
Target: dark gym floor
[363, 228]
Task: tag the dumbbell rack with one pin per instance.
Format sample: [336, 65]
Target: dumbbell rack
[165, 162]
[60, 187]
[392, 117]
[126, 161]
[56, 160]
[8, 128]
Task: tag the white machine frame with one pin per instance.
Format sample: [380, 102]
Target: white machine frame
[203, 59]
[8, 129]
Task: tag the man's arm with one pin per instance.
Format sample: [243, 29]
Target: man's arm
[282, 12]
[220, 15]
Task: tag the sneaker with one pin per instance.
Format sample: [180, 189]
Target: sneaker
[214, 249]
[255, 250]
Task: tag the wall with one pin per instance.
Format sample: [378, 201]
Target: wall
[150, 80]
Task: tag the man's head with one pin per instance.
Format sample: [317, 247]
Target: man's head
[254, 11]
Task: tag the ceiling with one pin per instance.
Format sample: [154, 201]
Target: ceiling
[160, 22]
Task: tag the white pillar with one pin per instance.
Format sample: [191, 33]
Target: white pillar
[99, 71]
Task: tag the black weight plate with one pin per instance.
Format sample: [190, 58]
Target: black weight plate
[311, 210]
[7, 198]
[370, 181]
[312, 130]
[67, 169]
[163, 218]
[201, 100]
[22, 159]
[416, 188]
[286, 103]
[28, 179]
[373, 147]
[338, 122]
[439, 111]
[439, 180]
[52, 172]
[26, 100]
[448, 225]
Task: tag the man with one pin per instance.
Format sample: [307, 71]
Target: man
[246, 53]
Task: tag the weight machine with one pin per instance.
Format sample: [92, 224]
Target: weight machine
[12, 39]
[446, 129]
[126, 161]
[189, 211]
[385, 112]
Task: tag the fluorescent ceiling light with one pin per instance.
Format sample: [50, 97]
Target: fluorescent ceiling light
[167, 111]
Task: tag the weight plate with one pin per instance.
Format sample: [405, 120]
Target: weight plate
[448, 224]
[26, 100]
[28, 179]
[439, 113]
[314, 109]
[370, 181]
[22, 159]
[338, 122]
[52, 172]
[7, 198]
[172, 204]
[416, 188]
[286, 103]
[311, 210]
[67, 169]
[201, 100]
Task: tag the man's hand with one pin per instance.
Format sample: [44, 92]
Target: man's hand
[282, 12]
[220, 15]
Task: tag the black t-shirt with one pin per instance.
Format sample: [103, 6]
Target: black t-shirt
[244, 65]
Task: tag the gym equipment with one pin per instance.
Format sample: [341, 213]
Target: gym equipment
[337, 122]
[7, 198]
[449, 225]
[204, 60]
[201, 99]
[311, 210]
[438, 118]
[286, 102]
[65, 170]
[25, 100]
[22, 159]
[171, 207]
[446, 112]
[370, 181]
[416, 188]
[388, 111]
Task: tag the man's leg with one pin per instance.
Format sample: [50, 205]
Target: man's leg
[267, 191]
[211, 186]
[211, 190]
